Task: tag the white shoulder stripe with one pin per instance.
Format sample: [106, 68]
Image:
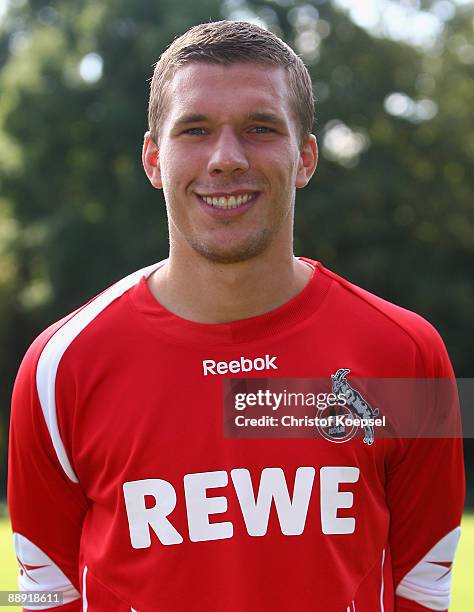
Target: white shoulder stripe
[56, 347]
[429, 582]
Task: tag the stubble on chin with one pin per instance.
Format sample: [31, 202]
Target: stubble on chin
[232, 254]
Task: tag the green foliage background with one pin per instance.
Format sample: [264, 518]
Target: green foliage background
[77, 213]
[462, 599]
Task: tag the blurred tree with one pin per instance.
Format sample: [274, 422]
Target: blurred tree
[390, 207]
[76, 210]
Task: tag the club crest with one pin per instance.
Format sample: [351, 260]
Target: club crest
[340, 419]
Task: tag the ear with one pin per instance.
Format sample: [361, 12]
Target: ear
[151, 161]
[307, 162]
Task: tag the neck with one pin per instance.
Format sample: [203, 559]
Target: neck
[203, 291]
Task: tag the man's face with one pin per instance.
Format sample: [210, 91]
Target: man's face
[228, 159]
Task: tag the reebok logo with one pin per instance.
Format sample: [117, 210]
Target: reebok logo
[241, 365]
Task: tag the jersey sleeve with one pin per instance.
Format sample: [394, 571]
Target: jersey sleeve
[425, 494]
[46, 507]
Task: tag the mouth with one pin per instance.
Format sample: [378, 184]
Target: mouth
[229, 204]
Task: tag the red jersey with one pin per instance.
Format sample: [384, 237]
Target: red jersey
[125, 494]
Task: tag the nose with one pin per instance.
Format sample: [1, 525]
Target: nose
[228, 155]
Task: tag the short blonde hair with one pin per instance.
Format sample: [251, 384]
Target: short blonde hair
[227, 42]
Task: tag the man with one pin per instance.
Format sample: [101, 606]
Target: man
[124, 492]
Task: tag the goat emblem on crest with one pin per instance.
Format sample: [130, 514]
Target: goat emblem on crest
[355, 401]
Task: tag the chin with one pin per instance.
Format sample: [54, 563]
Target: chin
[237, 254]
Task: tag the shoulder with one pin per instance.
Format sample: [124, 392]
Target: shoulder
[43, 356]
[39, 382]
[387, 322]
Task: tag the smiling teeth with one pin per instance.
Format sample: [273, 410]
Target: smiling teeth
[228, 202]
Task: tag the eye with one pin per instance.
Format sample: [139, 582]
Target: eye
[195, 131]
[263, 129]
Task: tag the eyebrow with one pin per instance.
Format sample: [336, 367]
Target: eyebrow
[264, 117]
[190, 118]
